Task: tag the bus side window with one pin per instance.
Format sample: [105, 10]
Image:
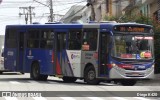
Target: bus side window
[30, 43]
[33, 39]
[90, 40]
[11, 38]
[46, 39]
[74, 40]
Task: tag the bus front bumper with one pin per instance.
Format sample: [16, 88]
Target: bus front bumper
[119, 73]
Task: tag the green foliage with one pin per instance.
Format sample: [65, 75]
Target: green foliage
[110, 18]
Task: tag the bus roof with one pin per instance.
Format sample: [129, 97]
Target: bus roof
[75, 25]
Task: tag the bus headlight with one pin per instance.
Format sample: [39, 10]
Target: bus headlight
[117, 68]
[150, 69]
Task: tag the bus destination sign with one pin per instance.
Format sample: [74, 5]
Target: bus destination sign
[132, 29]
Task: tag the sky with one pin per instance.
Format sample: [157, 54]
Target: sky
[9, 11]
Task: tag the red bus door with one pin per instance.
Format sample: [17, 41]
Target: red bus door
[60, 47]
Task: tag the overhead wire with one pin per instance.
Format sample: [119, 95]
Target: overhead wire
[67, 7]
[16, 3]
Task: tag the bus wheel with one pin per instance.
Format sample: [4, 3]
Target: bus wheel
[90, 76]
[128, 82]
[69, 79]
[35, 73]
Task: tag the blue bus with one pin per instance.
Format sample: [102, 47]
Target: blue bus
[95, 52]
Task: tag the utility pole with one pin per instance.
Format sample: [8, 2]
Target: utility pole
[51, 10]
[27, 11]
[30, 13]
[110, 7]
[90, 3]
[50, 6]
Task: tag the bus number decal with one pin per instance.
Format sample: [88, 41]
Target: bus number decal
[30, 52]
[29, 55]
[10, 53]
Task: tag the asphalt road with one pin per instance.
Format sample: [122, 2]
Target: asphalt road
[21, 87]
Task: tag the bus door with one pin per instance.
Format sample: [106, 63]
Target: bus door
[103, 54]
[60, 46]
[10, 50]
[21, 50]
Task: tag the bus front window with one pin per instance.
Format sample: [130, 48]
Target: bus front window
[133, 47]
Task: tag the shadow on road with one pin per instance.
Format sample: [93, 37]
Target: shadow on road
[10, 73]
[49, 81]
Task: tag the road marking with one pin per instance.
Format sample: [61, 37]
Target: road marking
[33, 82]
[67, 98]
[14, 82]
[39, 98]
[119, 98]
[95, 98]
[11, 98]
[141, 98]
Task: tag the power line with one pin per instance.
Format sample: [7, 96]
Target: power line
[27, 11]
[13, 3]
[60, 4]
[19, 3]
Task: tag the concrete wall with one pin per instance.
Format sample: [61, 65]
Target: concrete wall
[118, 6]
[1, 40]
[153, 8]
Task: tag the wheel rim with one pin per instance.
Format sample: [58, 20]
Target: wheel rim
[91, 75]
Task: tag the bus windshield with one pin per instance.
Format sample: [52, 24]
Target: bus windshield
[132, 47]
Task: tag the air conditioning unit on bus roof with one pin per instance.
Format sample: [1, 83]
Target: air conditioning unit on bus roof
[53, 23]
[108, 22]
[36, 23]
[131, 22]
[92, 22]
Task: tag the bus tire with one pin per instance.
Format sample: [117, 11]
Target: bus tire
[128, 82]
[35, 73]
[90, 76]
[69, 79]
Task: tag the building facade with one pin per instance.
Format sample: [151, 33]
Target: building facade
[99, 9]
[147, 8]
